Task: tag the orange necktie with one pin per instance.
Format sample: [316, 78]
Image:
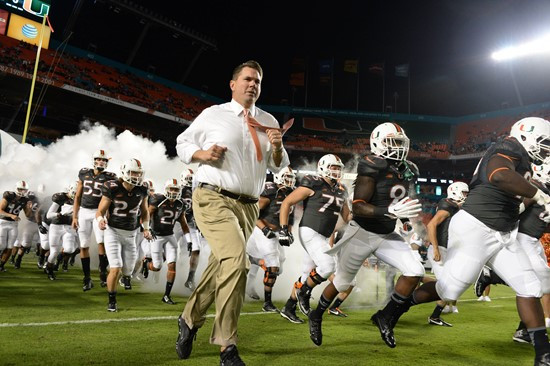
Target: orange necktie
[253, 124]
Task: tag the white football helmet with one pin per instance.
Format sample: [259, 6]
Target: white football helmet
[22, 188]
[132, 172]
[389, 141]
[533, 133]
[541, 173]
[186, 178]
[150, 186]
[458, 192]
[326, 164]
[172, 189]
[285, 177]
[71, 190]
[100, 160]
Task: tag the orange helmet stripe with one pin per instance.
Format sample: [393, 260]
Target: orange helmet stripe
[138, 163]
[175, 182]
[397, 127]
[102, 152]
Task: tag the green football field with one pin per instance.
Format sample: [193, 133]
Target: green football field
[54, 323]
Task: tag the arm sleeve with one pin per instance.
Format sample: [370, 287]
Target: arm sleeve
[52, 211]
[192, 139]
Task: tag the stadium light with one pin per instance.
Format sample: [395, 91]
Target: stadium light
[536, 47]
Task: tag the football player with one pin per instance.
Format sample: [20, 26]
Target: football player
[30, 231]
[88, 195]
[264, 243]
[483, 231]
[194, 239]
[323, 199]
[384, 179]
[124, 199]
[61, 236]
[438, 233]
[164, 210]
[10, 206]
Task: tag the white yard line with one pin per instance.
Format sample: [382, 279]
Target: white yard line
[149, 318]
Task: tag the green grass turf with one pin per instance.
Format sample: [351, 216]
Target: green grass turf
[482, 332]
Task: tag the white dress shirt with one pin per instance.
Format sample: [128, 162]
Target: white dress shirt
[224, 125]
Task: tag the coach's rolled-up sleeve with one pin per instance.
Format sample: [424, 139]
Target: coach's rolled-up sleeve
[285, 161]
[191, 140]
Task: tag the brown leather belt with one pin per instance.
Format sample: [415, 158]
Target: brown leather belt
[239, 197]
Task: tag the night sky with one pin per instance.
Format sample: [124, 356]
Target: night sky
[447, 44]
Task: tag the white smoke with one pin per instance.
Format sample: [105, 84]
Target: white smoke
[57, 165]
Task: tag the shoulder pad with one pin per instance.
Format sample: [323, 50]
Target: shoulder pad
[110, 175]
[510, 147]
[8, 196]
[60, 198]
[370, 165]
[156, 199]
[311, 181]
[447, 205]
[82, 173]
[270, 189]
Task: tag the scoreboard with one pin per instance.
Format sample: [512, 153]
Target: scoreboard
[22, 20]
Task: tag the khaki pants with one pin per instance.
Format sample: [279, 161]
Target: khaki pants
[226, 224]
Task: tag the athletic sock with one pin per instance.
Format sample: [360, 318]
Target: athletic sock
[86, 266]
[168, 288]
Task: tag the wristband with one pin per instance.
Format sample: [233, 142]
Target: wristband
[146, 225]
[380, 211]
[187, 237]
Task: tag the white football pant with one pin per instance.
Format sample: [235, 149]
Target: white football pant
[88, 223]
[472, 245]
[120, 247]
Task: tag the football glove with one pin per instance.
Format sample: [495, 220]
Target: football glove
[404, 209]
[153, 235]
[545, 215]
[541, 198]
[285, 236]
[43, 230]
[268, 232]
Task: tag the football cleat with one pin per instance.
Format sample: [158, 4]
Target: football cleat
[103, 279]
[251, 292]
[112, 307]
[191, 285]
[65, 267]
[145, 268]
[438, 321]
[487, 299]
[168, 300]
[542, 359]
[88, 284]
[17, 265]
[455, 309]
[290, 315]
[303, 302]
[51, 275]
[482, 282]
[12, 259]
[2, 269]
[186, 336]
[230, 357]
[268, 307]
[447, 309]
[384, 327]
[337, 312]
[125, 282]
[315, 332]
[521, 336]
